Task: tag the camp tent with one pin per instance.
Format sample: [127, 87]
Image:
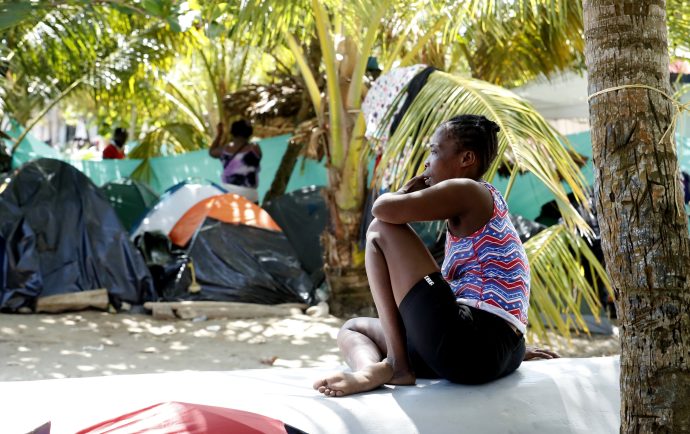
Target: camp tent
[20, 276]
[302, 214]
[238, 262]
[173, 204]
[227, 245]
[130, 199]
[79, 243]
[228, 208]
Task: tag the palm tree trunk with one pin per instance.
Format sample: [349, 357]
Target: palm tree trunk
[344, 262]
[643, 224]
[284, 172]
[343, 259]
[289, 160]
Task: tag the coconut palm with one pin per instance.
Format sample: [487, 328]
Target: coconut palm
[347, 33]
[455, 36]
[644, 229]
[528, 143]
[96, 50]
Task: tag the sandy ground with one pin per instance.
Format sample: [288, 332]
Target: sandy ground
[90, 343]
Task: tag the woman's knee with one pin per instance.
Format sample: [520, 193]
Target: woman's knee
[350, 326]
[378, 230]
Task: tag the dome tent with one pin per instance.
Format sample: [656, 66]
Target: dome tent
[173, 204]
[191, 418]
[238, 254]
[131, 200]
[228, 208]
[80, 243]
[240, 263]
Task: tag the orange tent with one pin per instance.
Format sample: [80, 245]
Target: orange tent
[228, 208]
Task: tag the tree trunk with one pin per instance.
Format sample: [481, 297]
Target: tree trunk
[284, 172]
[643, 224]
[344, 263]
[306, 111]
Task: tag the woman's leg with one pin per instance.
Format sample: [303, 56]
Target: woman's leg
[396, 259]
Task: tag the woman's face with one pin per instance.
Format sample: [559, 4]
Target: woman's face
[444, 161]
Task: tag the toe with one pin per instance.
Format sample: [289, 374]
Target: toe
[319, 383]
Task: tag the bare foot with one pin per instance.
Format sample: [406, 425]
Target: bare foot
[369, 378]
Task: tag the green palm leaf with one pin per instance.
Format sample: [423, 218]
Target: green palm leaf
[558, 286]
[526, 142]
[678, 17]
[171, 138]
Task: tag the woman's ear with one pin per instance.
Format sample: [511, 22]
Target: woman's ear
[467, 158]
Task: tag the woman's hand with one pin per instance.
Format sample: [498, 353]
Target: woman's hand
[532, 353]
[415, 184]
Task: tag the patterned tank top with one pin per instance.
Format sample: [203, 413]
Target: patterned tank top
[488, 270]
[241, 168]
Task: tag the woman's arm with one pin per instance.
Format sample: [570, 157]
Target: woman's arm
[447, 199]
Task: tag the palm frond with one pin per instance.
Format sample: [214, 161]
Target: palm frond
[559, 288]
[526, 142]
[509, 43]
[169, 139]
[678, 17]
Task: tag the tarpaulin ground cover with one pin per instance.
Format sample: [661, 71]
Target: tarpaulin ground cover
[559, 396]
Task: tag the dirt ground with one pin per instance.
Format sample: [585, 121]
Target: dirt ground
[90, 343]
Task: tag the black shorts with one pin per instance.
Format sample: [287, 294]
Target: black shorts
[459, 343]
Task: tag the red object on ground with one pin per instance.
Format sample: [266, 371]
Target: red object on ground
[228, 208]
[185, 418]
[112, 152]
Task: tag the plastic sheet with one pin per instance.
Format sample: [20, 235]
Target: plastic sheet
[241, 263]
[302, 214]
[20, 277]
[80, 242]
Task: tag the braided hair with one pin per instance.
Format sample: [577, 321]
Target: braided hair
[477, 134]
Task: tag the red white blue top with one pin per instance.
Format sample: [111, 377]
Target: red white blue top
[488, 270]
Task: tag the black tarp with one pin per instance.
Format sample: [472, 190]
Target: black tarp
[303, 216]
[239, 263]
[20, 276]
[79, 240]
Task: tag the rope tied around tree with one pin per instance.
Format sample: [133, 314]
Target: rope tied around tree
[679, 108]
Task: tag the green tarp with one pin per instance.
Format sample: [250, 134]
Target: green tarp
[130, 199]
[161, 173]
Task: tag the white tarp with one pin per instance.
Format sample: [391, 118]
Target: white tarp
[551, 396]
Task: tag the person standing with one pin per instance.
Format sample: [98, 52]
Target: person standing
[241, 159]
[116, 149]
